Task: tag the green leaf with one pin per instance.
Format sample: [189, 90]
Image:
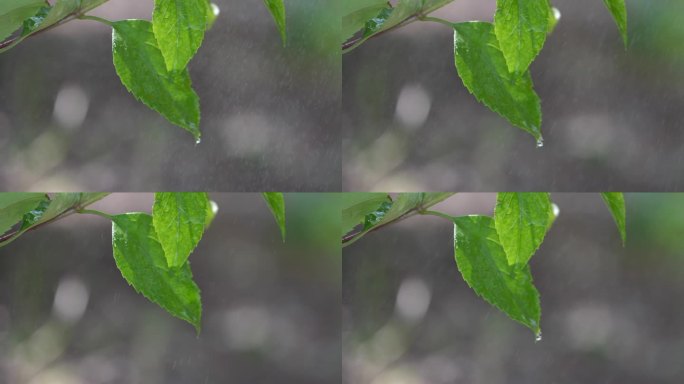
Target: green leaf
[276, 203]
[13, 206]
[521, 27]
[616, 204]
[618, 9]
[14, 12]
[142, 69]
[277, 9]
[179, 219]
[522, 220]
[140, 258]
[484, 71]
[482, 262]
[355, 207]
[179, 27]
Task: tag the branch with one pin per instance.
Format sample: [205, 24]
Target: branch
[422, 15]
[9, 237]
[69, 17]
[419, 210]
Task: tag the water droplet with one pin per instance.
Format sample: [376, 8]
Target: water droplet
[540, 142]
[198, 141]
[538, 337]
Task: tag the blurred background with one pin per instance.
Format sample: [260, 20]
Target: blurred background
[271, 311]
[612, 117]
[270, 115]
[609, 314]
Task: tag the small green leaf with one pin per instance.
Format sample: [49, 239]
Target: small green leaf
[13, 206]
[522, 220]
[14, 12]
[616, 204]
[482, 262]
[483, 69]
[142, 69]
[276, 203]
[179, 219]
[521, 27]
[179, 29]
[355, 207]
[140, 258]
[618, 9]
[277, 9]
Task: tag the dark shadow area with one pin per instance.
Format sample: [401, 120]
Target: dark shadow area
[612, 117]
[270, 115]
[271, 311]
[609, 314]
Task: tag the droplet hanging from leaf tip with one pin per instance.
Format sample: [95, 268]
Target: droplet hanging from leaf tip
[198, 141]
[538, 337]
[540, 142]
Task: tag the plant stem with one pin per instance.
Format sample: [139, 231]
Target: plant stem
[7, 44]
[98, 19]
[438, 214]
[95, 212]
[420, 210]
[10, 237]
[436, 20]
[352, 44]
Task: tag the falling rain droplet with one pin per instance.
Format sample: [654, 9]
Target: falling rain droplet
[538, 337]
[540, 142]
